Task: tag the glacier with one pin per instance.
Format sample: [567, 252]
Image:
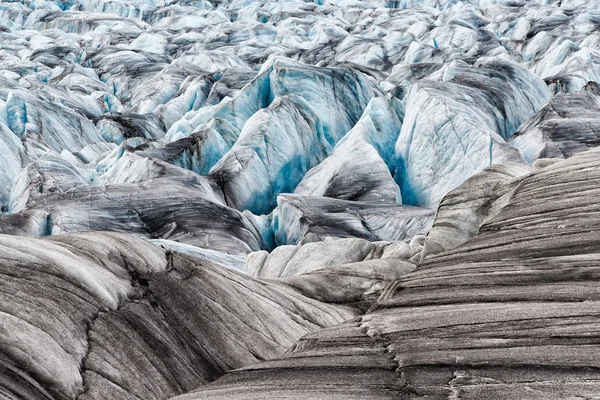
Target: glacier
[298, 199]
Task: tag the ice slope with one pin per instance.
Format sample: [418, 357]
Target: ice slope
[146, 69]
[445, 138]
[467, 208]
[94, 300]
[514, 301]
[263, 170]
[13, 154]
[117, 127]
[353, 172]
[37, 113]
[276, 147]
[301, 219]
[569, 124]
[187, 208]
[48, 174]
[291, 260]
[309, 111]
[198, 152]
[361, 164]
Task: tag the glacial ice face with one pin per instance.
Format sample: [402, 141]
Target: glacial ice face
[379, 126]
[187, 83]
[279, 144]
[361, 163]
[13, 154]
[444, 139]
[268, 169]
[567, 125]
[198, 152]
[302, 219]
[308, 111]
[276, 147]
[353, 172]
[50, 123]
[175, 63]
[179, 213]
[48, 174]
[338, 96]
[123, 199]
[117, 127]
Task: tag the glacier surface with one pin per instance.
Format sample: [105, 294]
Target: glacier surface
[285, 189]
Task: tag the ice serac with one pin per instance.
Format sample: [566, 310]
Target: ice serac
[277, 146]
[403, 76]
[13, 157]
[177, 214]
[360, 164]
[117, 127]
[191, 95]
[127, 71]
[445, 139]
[175, 90]
[187, 208]
[309, 111]
[502, 315]
[198, 152]
[131, 168]
[50, 174]
[567, 125]
[301, 219]
[338, 95]
[47, 123]
[380, 126]
[354, 172]
[342, 271]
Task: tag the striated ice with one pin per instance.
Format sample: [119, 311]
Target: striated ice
[262, 163]
[51, 173]
[236, 262]
[12, 151]
[198, 152]
[567, 125]
[303, 219]
[444, 141]
[277, 146]
[354, 171]
[207, 188]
